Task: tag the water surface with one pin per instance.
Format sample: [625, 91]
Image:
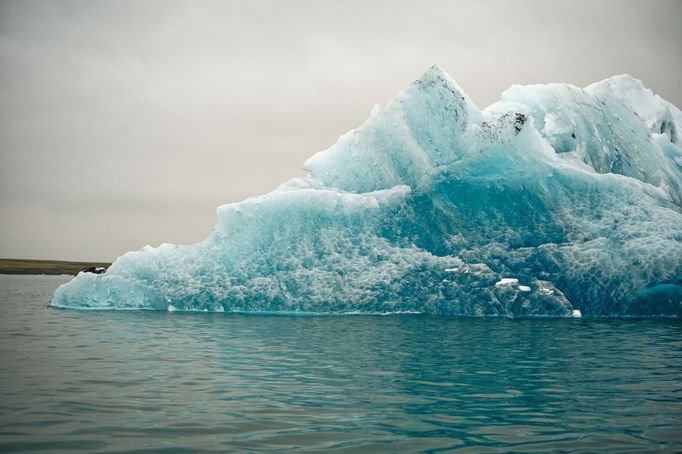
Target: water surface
[172, 382]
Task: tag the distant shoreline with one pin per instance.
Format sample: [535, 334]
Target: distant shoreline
[52, 267]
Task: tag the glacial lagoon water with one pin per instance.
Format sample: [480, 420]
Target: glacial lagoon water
[147, 381]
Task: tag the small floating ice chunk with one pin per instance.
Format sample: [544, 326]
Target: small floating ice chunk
[524, 288]
[506, 281]
[171, 308]
[576, 313]
[451, 270]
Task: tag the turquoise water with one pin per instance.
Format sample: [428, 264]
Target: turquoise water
[170, 382]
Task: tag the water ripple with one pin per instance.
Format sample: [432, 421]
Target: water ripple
[167, 382]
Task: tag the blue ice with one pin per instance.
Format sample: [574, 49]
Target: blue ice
[554, 201]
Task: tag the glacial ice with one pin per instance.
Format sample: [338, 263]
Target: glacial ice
[555, 201]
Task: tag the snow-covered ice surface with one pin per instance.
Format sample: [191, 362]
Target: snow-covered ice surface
[555, 201]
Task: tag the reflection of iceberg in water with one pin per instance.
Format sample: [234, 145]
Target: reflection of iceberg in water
[554, 201]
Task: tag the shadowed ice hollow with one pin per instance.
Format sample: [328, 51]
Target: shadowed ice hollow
[555, 201]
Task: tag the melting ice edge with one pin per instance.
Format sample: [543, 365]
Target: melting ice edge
[554, 201]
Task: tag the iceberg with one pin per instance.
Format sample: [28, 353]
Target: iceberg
[554, 201]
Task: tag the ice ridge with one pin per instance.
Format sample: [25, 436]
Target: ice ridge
[554, 201]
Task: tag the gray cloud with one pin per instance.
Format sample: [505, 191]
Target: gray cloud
[124, 123]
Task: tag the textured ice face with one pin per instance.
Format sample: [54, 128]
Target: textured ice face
[554, 201]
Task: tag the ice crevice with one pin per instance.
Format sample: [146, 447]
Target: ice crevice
[554, 201]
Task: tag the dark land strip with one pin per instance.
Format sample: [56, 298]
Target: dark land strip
[54, 267]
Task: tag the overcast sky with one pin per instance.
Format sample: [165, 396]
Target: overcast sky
[125, 123]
